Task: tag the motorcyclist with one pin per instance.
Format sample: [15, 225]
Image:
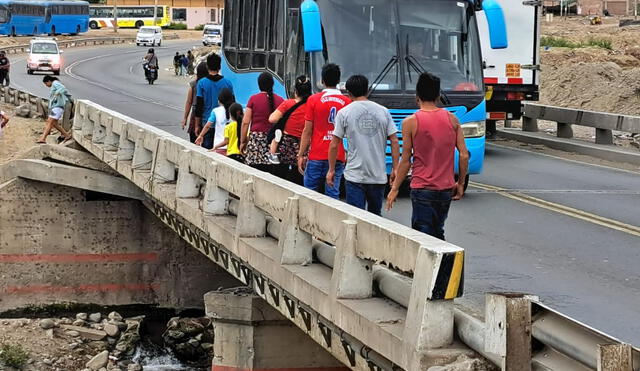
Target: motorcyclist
[151, 66]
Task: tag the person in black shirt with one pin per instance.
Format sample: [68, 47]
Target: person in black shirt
[4, 69]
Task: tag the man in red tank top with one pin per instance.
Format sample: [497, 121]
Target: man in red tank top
[430, 138]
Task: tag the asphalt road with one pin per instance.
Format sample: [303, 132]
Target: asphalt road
[566, 231]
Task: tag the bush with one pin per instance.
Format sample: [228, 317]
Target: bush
[13, 356]
[559, 42]
[199, 27]
[177, 26]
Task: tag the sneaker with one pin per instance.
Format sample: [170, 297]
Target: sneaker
[273, 158]
[278, 137]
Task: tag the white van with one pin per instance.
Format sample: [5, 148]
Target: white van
[149, 35]
[44, 55]
[212, 35]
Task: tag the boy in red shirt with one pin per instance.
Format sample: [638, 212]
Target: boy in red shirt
[322, 109]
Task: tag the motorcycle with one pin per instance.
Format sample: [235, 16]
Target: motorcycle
[150, 73]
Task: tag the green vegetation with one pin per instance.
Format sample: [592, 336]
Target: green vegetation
[177, 26]
[199, 27]
[559, 42]
[13, 356]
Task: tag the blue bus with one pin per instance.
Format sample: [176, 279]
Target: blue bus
[20, 18]
[66, 17]
[389, 41]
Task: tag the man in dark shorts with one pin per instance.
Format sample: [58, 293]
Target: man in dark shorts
[5, 65]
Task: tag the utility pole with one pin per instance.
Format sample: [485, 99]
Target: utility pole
[155, 12]
[115, 16]
[635, 9]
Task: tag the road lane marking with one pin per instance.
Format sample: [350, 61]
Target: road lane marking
[561, 209]
[559, 191]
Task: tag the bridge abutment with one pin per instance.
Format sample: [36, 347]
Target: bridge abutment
[251, 335]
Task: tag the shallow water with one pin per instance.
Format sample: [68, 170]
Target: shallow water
[155, 358]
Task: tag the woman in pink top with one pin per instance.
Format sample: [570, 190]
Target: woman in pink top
[256, 123]
[431, 137]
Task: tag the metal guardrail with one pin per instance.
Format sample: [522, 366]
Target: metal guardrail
[24, 48]
[604, 123]
[541, 338]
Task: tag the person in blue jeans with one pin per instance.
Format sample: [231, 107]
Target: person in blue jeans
[320, 119]
[366, 126]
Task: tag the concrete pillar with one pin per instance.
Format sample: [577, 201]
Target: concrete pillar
[508, 330]
[615, 357]
[81, 115]
[164, 171]
[352, 277]
[142, 157]
[216, 199]
[565, 131]
[188, 185]
[604, 136]
[294, 243]
[87, 124]
[529, 124]
[111, 139]
[99, 131]
[126, 148]
[251, 221]
[251, 335]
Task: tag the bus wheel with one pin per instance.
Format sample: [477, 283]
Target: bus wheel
[93, 25]
[139, 24]
[13, 31]
[53, 31]
[77, 31]
[35, 31]
[29, 72]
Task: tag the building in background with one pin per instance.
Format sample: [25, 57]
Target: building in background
[591, 7]
[191, 12]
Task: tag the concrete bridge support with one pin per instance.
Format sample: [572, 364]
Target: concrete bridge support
[251, 335]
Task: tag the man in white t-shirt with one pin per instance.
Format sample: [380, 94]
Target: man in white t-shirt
[367, 126]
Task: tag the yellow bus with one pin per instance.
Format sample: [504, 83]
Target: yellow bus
[128, 16]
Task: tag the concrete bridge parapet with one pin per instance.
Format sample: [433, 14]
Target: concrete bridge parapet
[191, 190]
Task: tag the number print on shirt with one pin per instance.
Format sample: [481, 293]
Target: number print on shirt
[332, 116]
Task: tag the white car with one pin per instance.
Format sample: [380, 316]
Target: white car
[212, 35]
[149, 35]
[44, 55]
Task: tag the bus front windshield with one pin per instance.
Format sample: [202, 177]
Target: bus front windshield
[405, 37]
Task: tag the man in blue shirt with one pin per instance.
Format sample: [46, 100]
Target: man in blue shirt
[207, 93]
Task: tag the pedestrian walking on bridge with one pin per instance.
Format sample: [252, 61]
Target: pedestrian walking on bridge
[59, 97]
[367, 126]
[430, 137]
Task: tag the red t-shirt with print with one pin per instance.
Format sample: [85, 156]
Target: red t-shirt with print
[322, 109]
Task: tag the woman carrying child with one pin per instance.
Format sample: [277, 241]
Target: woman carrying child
[284, 137]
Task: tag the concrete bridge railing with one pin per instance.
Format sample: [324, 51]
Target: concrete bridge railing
[191, 189]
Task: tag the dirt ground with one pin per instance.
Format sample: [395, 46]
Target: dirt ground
[592, 78]
[19, 135]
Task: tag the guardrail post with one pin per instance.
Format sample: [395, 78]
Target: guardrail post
[295, 244]
[565, 130]
[111, 139]
[216, 199]
[604, 136]
[142, 157]
[429, 322]
[508, 330]
[88, 122]
[41, 111]
[188, 185]
[16, 97]
[98, 135]
[81, 115]
[126, 148]
[163, 170]
[7, 94]
[615, 357]
[251, 221]
[352, 277]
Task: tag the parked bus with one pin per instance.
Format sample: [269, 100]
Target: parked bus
[66, 17]
[128, 16]
[18, 18]
[389, 41]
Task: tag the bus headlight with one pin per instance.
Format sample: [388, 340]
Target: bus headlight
[474, 129]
